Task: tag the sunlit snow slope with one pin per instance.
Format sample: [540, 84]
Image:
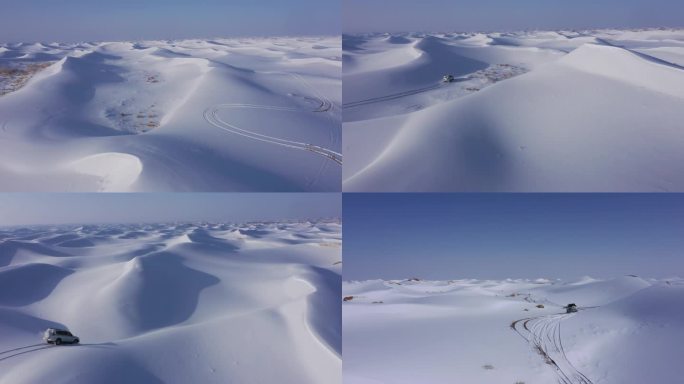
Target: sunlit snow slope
[533, 111]
[192, 115]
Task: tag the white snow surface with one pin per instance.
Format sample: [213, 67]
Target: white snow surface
[249, 114]
[172, 303]
[528, 111]
[628, 330]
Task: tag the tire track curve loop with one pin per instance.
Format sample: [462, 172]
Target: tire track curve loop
[543, 334]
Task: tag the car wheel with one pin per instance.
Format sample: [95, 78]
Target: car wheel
[76, 341]
[58, 341]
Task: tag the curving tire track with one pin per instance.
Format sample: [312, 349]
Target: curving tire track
[211, 116]
[333, 138]
[544, 336]
[326, 105]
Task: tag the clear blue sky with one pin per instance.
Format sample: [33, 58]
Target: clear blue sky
[504, 15]
[97, 20]
[87, 208]
[445, 236]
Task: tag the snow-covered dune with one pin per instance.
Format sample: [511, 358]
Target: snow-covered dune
[628, 330]
[556, 111]
[217, 115]
[172, 303]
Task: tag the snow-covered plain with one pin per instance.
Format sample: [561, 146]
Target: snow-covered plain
[172, 303]
[529, 111]
[628, 330]
[257, 114]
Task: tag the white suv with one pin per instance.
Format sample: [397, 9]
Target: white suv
[59, 336]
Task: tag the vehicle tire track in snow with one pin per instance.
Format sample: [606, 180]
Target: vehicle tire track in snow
[333, 137]
[404, 94]
[211, 116]
[416, 91]
[20, 348]
[24, 350]
[392, 96]
[544, 335]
